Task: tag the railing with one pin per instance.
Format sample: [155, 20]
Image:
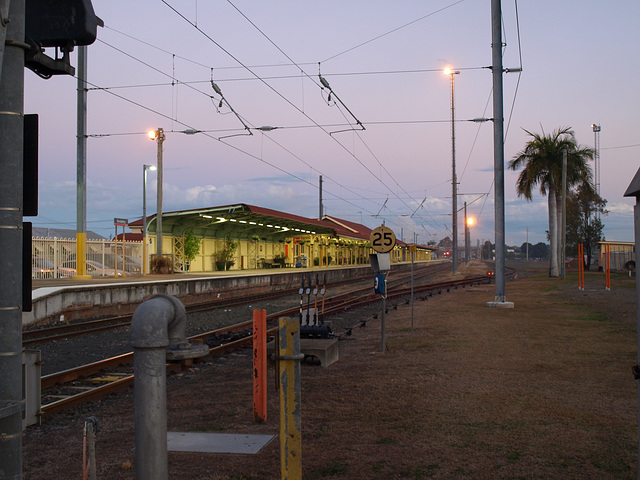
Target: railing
[56, 258]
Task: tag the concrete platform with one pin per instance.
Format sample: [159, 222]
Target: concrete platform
[82, 299]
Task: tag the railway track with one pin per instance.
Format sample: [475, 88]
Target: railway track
[57, 332]
[66, 389]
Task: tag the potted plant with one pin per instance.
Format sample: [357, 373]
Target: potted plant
[224, 256]
[191, 247]
[279, 259]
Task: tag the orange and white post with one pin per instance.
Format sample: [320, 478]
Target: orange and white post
[260, 366]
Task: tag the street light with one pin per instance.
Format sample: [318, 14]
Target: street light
[454, 180]
[145, 168]
[158, 136]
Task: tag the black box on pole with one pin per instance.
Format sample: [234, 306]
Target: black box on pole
[30, 167]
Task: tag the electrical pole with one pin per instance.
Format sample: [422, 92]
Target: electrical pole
[160, 141]
[498, 154]
[81, 192]
[320, 199]
[11, 229]
[454, 179]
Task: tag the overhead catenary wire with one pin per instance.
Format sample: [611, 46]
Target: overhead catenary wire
[271, 87]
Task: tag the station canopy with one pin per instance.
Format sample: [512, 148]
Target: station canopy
[240, 221]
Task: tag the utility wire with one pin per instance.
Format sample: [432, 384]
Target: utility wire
[326, 85]
[274, 90]
[392, 31]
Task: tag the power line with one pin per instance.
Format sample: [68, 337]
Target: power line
[274, 90]
[392, 31]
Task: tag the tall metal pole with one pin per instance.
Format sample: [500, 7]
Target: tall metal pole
[467, 246]
[498, 150]
[11, 181]
[81, 192]
[320, 200]
[454, 179]
[160, 140]
[596, 149]
[145, 262]
[564, 214]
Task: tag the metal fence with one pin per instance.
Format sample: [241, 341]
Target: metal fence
[56, 258]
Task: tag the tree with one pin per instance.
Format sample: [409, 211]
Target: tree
[191, 246]
[583, 224]
[541, 164]
[445, 244]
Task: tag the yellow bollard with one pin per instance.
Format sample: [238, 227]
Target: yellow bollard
[289, 357]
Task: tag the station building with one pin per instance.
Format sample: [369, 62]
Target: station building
[622, 255]
[264, 238]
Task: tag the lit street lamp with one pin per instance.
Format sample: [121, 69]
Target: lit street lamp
[145, 168]
[454, 180]
[158, 136]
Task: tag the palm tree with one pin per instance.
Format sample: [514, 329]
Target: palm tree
[541, 164]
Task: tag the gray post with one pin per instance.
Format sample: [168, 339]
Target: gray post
[454, 181]
[320, 199]
[636, 222]
[81, 192]
[157, 323]
[160, 140]
[11, 179]
[467, 246]
[498, 153]
[412, 259]
[563, 253]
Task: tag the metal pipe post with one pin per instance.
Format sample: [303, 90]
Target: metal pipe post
[563, 253]
[81, 188]
[636, 223]
[454, 180]
[289, 357]
[11, 185]
[498, 148]
[144, 220]
[160, 140]
[157, 323]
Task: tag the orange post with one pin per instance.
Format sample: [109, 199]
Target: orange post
[260, 366]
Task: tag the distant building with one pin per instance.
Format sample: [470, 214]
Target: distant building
[43, 232]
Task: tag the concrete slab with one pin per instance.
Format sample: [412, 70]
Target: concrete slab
[500, 304]
[326, 350]
[216, 442]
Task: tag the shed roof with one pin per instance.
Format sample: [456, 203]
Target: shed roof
[242, 220]
[633, 190]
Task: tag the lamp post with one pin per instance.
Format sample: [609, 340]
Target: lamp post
[454, 181]
[158, 136]
[145, 168]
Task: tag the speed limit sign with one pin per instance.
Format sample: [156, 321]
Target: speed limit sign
[382, 239]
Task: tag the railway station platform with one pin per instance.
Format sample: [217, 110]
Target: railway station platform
[70, 299]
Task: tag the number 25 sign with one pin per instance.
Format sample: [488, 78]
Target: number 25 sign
[382, 239]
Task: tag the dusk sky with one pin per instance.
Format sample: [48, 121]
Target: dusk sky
[153, 63]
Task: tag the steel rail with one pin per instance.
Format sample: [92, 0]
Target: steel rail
[58, 332]
[344, 301]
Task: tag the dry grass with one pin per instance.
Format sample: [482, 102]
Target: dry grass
[541, 391]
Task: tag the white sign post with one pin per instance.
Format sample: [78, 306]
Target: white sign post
[382, 241]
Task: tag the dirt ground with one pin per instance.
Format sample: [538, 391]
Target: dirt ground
[543, 390]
